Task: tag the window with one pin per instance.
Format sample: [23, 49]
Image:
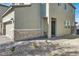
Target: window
[65, 23]
[59, 4]
[65, 7]
[68, 24]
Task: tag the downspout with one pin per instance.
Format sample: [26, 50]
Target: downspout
[48, 20]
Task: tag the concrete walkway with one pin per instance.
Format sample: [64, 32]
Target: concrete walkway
[5, 39]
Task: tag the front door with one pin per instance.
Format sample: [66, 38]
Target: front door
[53, 28]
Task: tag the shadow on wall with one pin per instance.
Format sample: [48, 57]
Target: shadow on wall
[53, 38]
[66, 37]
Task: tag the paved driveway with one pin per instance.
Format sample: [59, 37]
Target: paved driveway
[5, 39]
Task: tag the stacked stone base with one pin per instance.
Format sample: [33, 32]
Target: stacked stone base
[26, 34]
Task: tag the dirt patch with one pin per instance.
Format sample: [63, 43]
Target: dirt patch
[63, 47]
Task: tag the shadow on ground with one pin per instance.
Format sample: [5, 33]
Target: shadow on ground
[43, 48]
[53, 38]
[40, 49]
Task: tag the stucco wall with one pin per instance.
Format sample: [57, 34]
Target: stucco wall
[43, 9]
[28, 17]
[9, 16]
[24, 34]
[61, 15]
[0, 29]
[9, 27]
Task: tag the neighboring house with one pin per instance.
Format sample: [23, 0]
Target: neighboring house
[77, 28]
[38, 19]
[3, 8]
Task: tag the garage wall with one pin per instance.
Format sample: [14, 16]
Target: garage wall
[9, 16]
[8, 24]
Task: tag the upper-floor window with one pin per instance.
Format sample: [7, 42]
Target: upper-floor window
[65, 23]
[59, 4]
[68, 24]
[65, 7]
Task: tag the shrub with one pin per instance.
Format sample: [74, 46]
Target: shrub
[12, 49]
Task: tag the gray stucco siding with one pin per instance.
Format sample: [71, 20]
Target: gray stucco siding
[61, 15]
[28, 17]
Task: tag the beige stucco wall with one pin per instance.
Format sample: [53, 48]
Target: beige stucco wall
[28, 21]
[61, 15]
[31, 18]
[9, 24]
[28, 17]
[45, 26]
[9, 16]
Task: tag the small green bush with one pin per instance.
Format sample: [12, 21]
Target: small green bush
[12, 49]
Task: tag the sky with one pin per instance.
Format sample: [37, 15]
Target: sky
[8, 4]
[76, 11]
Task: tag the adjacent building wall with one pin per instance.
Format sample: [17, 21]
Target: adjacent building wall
[8, 24]
[61, 15]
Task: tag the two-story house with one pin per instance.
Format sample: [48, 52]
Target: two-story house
[38, 19]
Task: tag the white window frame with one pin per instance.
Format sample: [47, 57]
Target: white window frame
[65, 23]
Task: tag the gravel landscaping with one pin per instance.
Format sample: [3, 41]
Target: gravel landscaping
[66, 46]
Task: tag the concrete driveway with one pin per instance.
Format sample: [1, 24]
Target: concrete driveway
[5, 39]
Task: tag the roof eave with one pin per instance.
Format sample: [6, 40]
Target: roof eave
[7, 11]
[4, 5]
[13, 7]
[72, 5]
